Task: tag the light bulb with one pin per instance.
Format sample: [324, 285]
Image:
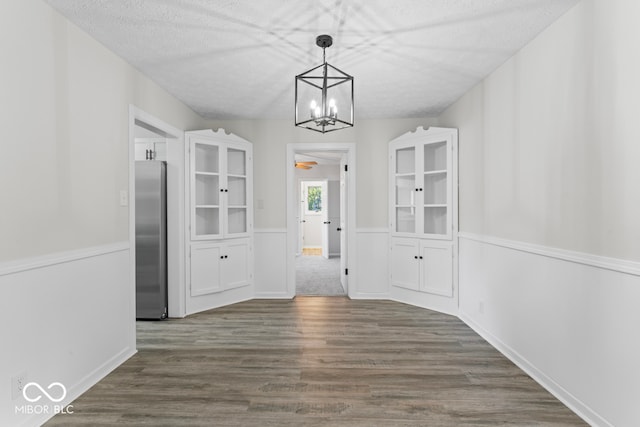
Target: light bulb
[313, 107]
[333, 110]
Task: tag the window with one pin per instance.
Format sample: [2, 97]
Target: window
[312, 194]
[314, 198]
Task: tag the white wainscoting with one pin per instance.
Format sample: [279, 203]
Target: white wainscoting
[66, 317]
[270, 255]
[372, 265]
[570, 320]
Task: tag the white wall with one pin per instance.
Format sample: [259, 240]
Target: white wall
[548, 153]
[66, 302]
[64, 116]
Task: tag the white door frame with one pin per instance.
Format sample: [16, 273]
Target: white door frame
[175, 227]
[292, 207]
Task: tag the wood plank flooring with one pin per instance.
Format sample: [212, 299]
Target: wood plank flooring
[316, 361]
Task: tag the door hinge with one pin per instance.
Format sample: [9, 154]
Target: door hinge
[346, 168]
[346, 271]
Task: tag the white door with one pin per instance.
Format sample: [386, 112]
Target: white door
[325, 223]
[334, 217]
[343, 221]
[302, 197]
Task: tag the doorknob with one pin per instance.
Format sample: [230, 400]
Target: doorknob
[327, 222]
[338, 229]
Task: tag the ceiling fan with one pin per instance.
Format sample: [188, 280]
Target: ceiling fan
[305, 165]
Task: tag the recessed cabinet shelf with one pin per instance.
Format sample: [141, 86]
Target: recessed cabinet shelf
[423, 203]
[219, 183]
[220, 252]
[421, 184]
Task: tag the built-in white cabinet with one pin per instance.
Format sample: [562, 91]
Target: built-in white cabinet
[423, 211]
[422, 265]
[220, 212]
[217, 267]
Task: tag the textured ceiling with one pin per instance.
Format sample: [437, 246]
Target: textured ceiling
[234, 59]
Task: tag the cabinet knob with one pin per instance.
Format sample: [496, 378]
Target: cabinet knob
[226, 190]
[420, 257]
[417, 189]
[415, 257]
[327, 222]
[227, 256]
[221, 257]
[221, 190]
[338, 229]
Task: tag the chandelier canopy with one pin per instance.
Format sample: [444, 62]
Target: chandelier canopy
[324, 95]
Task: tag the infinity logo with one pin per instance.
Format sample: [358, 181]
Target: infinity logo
[43, 391]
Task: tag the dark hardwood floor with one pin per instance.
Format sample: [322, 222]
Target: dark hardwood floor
[316, 361]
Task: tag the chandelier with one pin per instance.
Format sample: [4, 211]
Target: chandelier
[324, 95]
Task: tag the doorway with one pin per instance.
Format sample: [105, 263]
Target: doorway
[153, 139]
[318, 257]
[321, 218]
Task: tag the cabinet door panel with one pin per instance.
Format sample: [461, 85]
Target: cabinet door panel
[205, 181]
[235, 270]
[437, 267]
[436, 186]
[205, 269]
[405, 267]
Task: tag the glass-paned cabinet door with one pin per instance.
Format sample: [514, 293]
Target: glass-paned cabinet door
[404, 189]
[422, 184]
[435, 187]
[206, 207]
[236, 191]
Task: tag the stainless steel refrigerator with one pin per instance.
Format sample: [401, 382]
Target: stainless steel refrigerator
[151, 239]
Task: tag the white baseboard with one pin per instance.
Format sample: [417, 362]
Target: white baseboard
[86, 383]
[564, 317]
[60, 303]
[582, 410]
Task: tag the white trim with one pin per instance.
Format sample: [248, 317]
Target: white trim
[613, 264]
[573, 403]
[372, 230]
[371, 295]
[270, 230]
[91, 379]
[32, 263]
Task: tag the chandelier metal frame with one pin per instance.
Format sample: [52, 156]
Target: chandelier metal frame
[323, 116]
